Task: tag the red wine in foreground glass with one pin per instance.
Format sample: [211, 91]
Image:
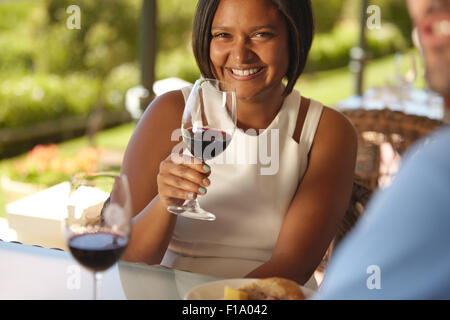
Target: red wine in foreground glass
[206, 143]
[208, 123]
[98, 222]
[97, 251]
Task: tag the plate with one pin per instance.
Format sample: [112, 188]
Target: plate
[215, 290]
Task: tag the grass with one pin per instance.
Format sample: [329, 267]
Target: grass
[329, 87]
[113, 139]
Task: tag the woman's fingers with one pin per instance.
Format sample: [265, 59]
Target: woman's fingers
[190, 162]
[195, 172]
[182, 177]
[184, 184]
[177, 193]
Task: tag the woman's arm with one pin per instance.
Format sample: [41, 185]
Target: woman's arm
[319, 204]
[155, 181]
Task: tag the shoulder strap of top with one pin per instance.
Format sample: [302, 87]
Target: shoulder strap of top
[310, 125]
[292, 111]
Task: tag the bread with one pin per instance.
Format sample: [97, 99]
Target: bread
[235, 294]
[272, 289]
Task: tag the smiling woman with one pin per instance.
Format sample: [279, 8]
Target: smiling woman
[277, 224]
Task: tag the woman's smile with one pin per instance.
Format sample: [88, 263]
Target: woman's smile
[244, 74]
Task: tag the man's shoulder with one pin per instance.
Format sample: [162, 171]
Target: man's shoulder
[434, 147]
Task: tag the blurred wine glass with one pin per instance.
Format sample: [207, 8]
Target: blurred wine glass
[98, 222]
[405, 69]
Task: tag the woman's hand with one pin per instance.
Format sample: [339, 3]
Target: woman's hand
[181, 178]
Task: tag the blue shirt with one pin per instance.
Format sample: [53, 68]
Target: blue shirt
[400, 248]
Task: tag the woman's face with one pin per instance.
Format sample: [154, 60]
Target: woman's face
[249, 47]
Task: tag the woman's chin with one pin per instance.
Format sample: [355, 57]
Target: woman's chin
[247, 95]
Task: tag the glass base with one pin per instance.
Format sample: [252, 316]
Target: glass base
[191, 209]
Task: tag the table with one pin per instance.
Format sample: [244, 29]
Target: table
[29, 272]
[38, 218]
[413, 101]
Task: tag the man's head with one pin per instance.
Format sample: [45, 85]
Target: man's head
[432, 19]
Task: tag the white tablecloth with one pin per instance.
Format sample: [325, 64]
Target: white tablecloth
[28, 272]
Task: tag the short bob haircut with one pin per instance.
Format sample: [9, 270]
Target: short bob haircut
[300, 23]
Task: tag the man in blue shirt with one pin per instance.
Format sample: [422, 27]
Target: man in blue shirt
[400, 248]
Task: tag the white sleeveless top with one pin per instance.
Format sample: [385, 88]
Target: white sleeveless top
[250, 192]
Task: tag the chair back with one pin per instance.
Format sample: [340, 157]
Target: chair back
[383, 136]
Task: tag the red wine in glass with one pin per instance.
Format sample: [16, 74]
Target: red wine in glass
[97, 251]
[206, 143]
[208, 123]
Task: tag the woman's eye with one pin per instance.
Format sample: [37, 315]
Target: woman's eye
[220, 35]
[263, 35]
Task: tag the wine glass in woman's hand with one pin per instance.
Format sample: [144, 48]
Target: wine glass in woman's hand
[208, 124]
[98, 222]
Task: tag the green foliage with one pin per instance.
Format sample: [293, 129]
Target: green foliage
[53, 71]
[396, 12]
[105, 50]
[37, 98]
[16, 45]
[331, 50]
[107, 38]
[175, 57]
[174, 22]
[41, 97]
[15, 56]
[178, 63]
[326, 14]
[119, 80]
[13, 14]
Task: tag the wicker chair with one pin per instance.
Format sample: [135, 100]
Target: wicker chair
[376, 128]
[358, 201]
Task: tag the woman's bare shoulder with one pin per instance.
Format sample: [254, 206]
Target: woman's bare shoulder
[155, 128]
[165, 110]
[336, 125]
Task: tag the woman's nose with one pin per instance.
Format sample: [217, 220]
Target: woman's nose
[242, 52]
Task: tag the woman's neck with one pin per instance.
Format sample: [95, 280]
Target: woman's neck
[259, 114]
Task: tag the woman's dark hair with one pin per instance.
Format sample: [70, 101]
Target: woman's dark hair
[300, 23]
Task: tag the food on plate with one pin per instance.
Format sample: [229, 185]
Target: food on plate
[266, 289]
[235, 294]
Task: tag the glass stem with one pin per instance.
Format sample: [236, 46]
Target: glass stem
[97, 285]
[192, 204]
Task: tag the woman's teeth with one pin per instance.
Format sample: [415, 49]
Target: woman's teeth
[247, 72]
[441, 28]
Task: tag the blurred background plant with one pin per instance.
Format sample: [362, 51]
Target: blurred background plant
[47, 70]
[45, 166]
